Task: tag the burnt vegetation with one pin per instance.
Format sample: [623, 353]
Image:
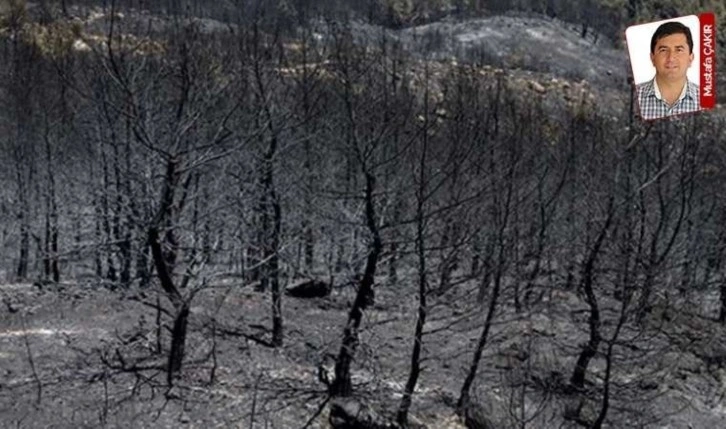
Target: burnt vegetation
[235, 214]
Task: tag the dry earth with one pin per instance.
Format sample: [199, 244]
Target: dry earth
[664, 375]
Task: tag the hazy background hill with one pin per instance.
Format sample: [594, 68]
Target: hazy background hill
[570, 39]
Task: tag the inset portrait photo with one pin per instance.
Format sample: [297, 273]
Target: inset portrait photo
[673, 65]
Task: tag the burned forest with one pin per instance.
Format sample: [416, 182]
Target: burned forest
[326, 214]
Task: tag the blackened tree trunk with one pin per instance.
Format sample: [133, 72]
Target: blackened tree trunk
[111, 273]
[178, 341]
[24, 253]
[142, 264]
[309, 238]
[669, 202]
[309, 110]
[465, 394]
[588, 272]
[24, 174]
[21, 90]
[134, 236]
[98, 211]
[342, 384]
[121, 229]
[626, 296]
[50, 262]
[272, 213]
[502, 215]
[270, 207]
[272, 245]
[164, 255]
[421, 191]
[393, 264]
[181, 306]
[308, 234]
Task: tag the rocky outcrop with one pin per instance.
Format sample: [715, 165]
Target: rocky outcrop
[351, 414]
[476, 417]
[309, 289]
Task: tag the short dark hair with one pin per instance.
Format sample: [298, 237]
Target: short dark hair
[672, 27]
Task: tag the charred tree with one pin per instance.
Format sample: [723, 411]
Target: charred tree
[586, 284]
[342, 384]
[164, 253]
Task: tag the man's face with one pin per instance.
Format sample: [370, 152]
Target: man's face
[671, 58]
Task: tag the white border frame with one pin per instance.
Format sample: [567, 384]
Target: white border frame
[638, 39]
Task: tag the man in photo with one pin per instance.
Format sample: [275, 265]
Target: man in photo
[669, 92]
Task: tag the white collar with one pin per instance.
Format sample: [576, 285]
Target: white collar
[660, 97]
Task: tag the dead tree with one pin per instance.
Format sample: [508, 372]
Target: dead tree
[421, 201]
[197, 137]
[587, 286]
[164, 250]
[502, 206]
[367, 129]
[270, 209]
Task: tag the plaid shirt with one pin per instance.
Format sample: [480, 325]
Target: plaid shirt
[652, 105]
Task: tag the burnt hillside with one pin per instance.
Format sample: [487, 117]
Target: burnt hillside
[247, 221]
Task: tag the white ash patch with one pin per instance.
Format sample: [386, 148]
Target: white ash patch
[36, 331]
